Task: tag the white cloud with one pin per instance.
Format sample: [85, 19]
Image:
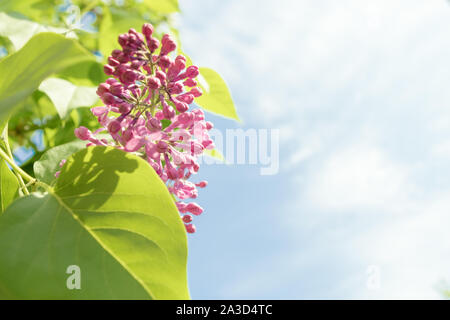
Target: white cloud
[358, 177]
[411, 253]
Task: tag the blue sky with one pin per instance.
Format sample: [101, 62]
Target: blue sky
[359, 91]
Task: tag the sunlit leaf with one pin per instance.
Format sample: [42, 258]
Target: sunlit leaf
[110, 215]
[162, 6]
[46, 167]
[23, 71]
[66, 96]
[86, 73]
[33, 9]
[216, 96]
[19, 31]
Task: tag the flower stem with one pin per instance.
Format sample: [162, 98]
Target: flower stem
[4, 138]
[16, 168]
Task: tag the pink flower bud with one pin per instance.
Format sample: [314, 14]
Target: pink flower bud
[161, 76]
[134, 144]
[209, 125]
[116, 89]
[196, 148]
[102, 88]
[192, 72]
[98, 111]
[153, 83]
[114, 126]
[120, 69]
[168, 45]
[111, 81]
[187, 218]
[153, 44]
[155, 167]
[83, 133]
[194, 208]
[186, 118]
[127, 135]
[131, 37]
[108, 98]
[154, 124]
[181, 106]
[199, 115]
[162, 146]
[159, 115]
[123, 58]
[207, 143]
[186, 98]
[136, 64]
[116, 53]
[180, 62]
[189, 82]
[168, 112]
[175, 88]
[172, 173]
[123, 39]
[202, 184]
[147, 30]
[113, 62]
[109, 70]
[182, 207]
[124, 108]
[190, 228]
[196, 92]
[164, 62]
[128, 76]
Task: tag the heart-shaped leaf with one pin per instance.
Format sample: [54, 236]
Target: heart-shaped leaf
[111, 217]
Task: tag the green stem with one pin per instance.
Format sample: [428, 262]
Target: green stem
[9, 153]
[23, 175]
[16, 168]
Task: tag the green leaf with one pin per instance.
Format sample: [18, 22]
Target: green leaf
[67, 96]
[46, 167]
[9, 186]
[19, 31]
[162, 6]
[109, 214]
[23, 71]
[87, 73]
[216, 97]
[34, 9]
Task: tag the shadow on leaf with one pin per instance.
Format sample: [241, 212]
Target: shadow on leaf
[90, 177]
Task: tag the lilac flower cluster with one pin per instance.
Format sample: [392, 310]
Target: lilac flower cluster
[146, 111]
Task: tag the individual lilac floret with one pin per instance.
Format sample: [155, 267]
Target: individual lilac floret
[146, 111]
